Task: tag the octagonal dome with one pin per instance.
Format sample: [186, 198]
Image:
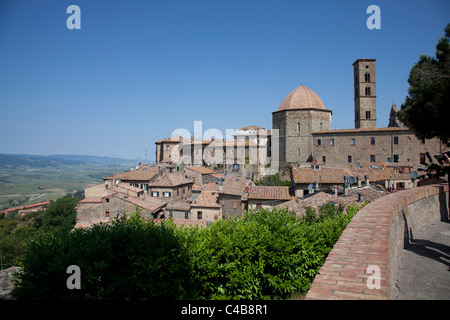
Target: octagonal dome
[302, 98]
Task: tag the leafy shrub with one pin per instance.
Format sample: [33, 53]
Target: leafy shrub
[266, 254]
[128, 259]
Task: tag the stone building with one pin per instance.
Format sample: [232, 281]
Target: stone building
[267, 197]
[171, 187]
[301, 113]
[206, 207]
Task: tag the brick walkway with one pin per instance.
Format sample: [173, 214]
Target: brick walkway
[424, 271]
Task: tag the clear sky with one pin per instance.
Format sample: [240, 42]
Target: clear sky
[138, 70]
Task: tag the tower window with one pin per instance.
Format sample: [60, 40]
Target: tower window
[349, 158]
[319, 142]
[395, 140]
[298, 151]
[367, 91]
[298, 127]
[324, 159]
[367, 77]
[396, 158]
[331, 142]
[372, 140]
[353, 142]
[368, 114]
[372, 158]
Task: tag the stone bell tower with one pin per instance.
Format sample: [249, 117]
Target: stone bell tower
[365, 93]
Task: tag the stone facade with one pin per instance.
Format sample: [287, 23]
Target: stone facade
[346, 148]
[295, 127]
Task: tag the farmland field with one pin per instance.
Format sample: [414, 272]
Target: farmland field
[27, 179]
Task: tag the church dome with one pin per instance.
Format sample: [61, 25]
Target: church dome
[302, 98]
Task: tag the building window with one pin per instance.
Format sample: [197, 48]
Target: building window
[367, 77]
[396, 158]
[166, 194]
[186, 215]
[388, 159]
[199, 215]
[331, 142]
[422, 140]
[107, 200]
[298, 151]
[324, 159]
[372, 158]
[367, 91]
[353, 142]
[422, 157]
[395, 140]
[107, 214]
[349, 158]
[319, 142]
[155, 194]
[372, 140]
[298, 127]
[368, 115]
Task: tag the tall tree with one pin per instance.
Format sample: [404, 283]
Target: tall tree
[426, 110]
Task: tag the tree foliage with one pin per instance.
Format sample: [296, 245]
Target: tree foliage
[426, 110]
[16, 231]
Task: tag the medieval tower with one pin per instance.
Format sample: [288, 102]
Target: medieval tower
[365, 94]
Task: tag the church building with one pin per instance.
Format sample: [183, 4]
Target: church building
[306, 137]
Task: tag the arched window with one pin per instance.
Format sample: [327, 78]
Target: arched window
[367, 77]
[367, 91]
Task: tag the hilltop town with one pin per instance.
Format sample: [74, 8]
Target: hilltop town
[199, 181]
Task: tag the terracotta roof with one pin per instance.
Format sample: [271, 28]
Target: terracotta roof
[170, 180]
[235, 185]
[201, 170]
[336, 175]
[180, 205]
[128, 187]
[302, 98]
[27, 206]
[148, 203]
[213, 186]
[208, 199]
[269, 193]
[143, 173]
[169, 140]
[252, 127]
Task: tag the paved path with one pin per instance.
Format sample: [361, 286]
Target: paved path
[424, 272]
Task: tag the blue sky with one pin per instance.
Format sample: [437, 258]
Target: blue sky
[137, 70]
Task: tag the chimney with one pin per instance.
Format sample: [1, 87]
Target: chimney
[366, 177]
[358, 181]
[345, 186]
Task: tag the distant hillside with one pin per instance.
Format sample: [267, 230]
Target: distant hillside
[37, 161]
[27, 179]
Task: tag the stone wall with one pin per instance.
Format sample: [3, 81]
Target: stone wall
[389, 142]
[363, 263]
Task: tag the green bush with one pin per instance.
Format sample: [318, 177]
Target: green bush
[130, 259]
[266, 254]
